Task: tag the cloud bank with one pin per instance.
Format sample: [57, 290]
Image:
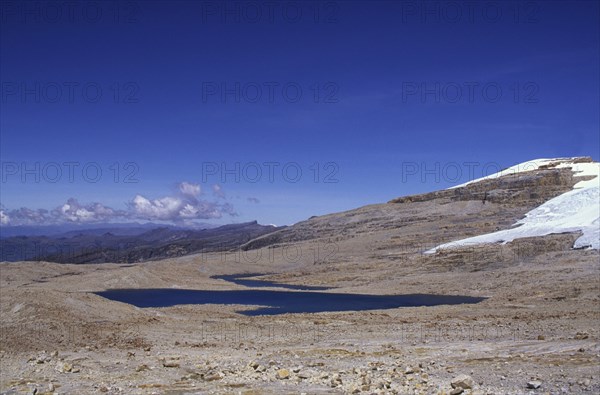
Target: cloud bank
[182, 208]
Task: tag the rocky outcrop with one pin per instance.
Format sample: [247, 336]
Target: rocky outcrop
[533, 187]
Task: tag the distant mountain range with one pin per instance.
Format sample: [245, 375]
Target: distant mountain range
[68, 230]
[127, 244]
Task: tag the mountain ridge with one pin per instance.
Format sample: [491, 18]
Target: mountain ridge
[513, 194]
[157, 243]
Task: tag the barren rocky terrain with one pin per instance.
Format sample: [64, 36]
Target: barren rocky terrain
[537, 331]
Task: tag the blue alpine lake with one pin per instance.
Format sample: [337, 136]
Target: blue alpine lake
[280, 302]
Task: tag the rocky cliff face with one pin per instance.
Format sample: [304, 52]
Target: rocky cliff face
[518, 189]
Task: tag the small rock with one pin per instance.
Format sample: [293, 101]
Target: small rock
[541, 337]
[141, 368]
[64, 367]
[587, 382]
[303, 375]
[170, 363]
[43, 357]
[283, 374]
[409, 370]
[213, 377]
[462, 381]
[534, 384]
[457, 391]
[336, 380]
[581, 335]
[191, 376]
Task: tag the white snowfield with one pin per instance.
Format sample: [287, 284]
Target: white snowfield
[575, 211]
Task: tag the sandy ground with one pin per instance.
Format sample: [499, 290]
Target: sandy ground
[539, 323]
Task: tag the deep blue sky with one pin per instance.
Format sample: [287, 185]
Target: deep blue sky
[377, 116]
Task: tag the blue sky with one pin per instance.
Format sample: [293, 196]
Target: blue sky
[369, 100]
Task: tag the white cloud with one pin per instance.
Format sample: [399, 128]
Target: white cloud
[73, 211]
[189, 189]
[218, 191]
[26, 216]
[4, 218]
[182, 208]
[164, 208]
